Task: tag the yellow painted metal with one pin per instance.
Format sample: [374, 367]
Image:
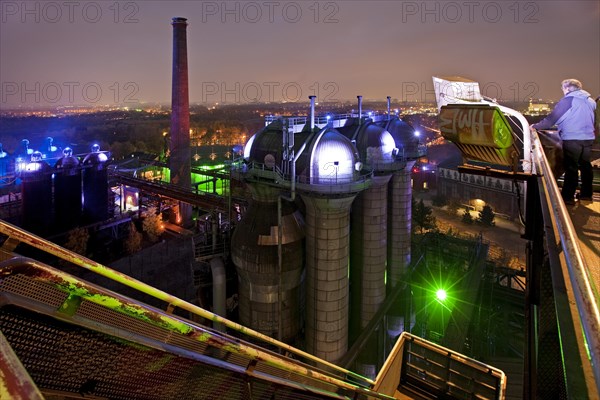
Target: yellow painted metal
[481, 132]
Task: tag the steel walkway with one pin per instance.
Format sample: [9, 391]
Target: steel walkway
[67, 338]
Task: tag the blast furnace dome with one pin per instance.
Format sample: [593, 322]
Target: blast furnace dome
[248, 147]
[328, 158]
[67, 160]
[403, 134]
[95, 157]
[375, 144]
[332, 158]
[267, 144]
[37, 165]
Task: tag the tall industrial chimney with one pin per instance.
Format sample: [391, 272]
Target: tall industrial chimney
[179, 163]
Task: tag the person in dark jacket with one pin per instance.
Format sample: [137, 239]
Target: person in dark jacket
[574, 117]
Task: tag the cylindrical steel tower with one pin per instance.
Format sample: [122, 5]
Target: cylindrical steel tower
[330, 167]
[368, 250]
[180, 153]
[36, 192]
[255, 254]
[400, 195]
[400, 219]
[255, 242]
[399, 224]
[67, 191]
[327, 290]
[95, 186]
[368, 254]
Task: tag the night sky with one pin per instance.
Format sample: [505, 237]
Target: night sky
[105, 52]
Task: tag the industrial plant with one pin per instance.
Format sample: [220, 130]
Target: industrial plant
[287, 270]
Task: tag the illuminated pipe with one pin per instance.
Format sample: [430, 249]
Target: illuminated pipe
[215, 232]
[528, 165]
[280, 222]
[359, 108]
[312, 112]
[217, 268]
[389, 100]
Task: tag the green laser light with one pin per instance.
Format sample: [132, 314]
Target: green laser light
[441, 294]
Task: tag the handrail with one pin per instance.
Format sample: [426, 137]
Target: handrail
[20, 235]
[15, 382]
[395, 362]
[588, 301]
[323, 120]
[363, 178]
[74, 286]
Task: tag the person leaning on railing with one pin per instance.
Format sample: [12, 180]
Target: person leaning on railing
[574, 116]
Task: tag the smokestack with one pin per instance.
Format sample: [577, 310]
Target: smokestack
[312, 112]
[179, 163]
[359, 109]
[389, 99]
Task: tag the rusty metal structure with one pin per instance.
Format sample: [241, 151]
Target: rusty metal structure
[128, 350]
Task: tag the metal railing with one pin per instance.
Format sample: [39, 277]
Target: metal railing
[328, 184]
[15, 382]
[338, 375]
[574, 266]
[296, 124]
[175, 334]
[446, 373]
